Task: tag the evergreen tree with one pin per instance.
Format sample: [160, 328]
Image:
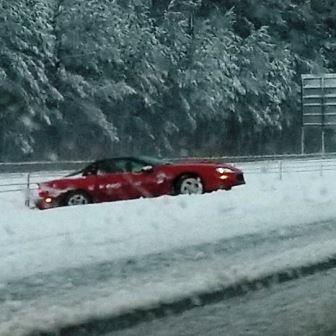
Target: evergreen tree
[93, 78]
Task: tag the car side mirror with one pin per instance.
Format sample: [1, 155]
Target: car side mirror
[147, 169]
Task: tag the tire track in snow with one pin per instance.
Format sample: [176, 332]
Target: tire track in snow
[102, 326]
[179, 265]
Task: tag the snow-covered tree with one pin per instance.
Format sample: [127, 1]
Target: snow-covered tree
[106, 77]
[26, 41]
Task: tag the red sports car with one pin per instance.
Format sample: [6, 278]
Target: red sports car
[130, 177]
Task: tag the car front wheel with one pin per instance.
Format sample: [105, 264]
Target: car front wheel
[76, 198]
[188, 185]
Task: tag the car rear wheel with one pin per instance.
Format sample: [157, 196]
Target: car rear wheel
[188, 185]
[77, 198]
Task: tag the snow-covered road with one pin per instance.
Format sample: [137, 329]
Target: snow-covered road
[67, 264]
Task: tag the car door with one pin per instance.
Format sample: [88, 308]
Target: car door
[116, 180]
[142, 178]
[122, 179]
[110, 183]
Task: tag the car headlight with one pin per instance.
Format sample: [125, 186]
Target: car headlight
[222, 170]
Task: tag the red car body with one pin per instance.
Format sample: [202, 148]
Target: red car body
[129, 178]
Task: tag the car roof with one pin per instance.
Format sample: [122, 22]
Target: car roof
[120, 158]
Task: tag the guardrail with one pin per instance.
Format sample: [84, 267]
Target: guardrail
[26, 183]
[35, 166]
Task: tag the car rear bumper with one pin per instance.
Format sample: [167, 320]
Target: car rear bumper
[44, 204]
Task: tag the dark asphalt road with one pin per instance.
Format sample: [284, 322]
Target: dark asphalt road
[304, 307]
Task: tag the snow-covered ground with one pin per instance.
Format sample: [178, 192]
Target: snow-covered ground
[34, 241]
[180, 245]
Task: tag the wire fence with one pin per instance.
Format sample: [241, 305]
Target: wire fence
[38, 166]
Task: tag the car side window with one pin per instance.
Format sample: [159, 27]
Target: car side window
[129, 166]
[114, 166]
[107, 167]
[135, 166]
[120, 166]
[90, 170]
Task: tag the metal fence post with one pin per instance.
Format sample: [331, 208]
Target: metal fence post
[323, 143]
[280, 169]
[27, 202]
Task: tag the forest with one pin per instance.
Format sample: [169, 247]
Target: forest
[87, 79]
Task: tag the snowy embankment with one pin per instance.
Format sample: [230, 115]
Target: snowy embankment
[254, 221]
[35, 241]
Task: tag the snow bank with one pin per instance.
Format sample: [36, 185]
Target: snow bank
[33, 241]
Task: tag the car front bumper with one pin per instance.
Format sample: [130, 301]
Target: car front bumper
[227, 181]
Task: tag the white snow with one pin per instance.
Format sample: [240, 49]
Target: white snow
[34, 242]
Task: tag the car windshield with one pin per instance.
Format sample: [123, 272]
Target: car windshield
[75, 173]
[81, 172]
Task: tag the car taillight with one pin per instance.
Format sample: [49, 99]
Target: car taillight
[48, 200]
[42, 193]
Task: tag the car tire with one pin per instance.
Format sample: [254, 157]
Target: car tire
[76, 198]
[188, 185]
